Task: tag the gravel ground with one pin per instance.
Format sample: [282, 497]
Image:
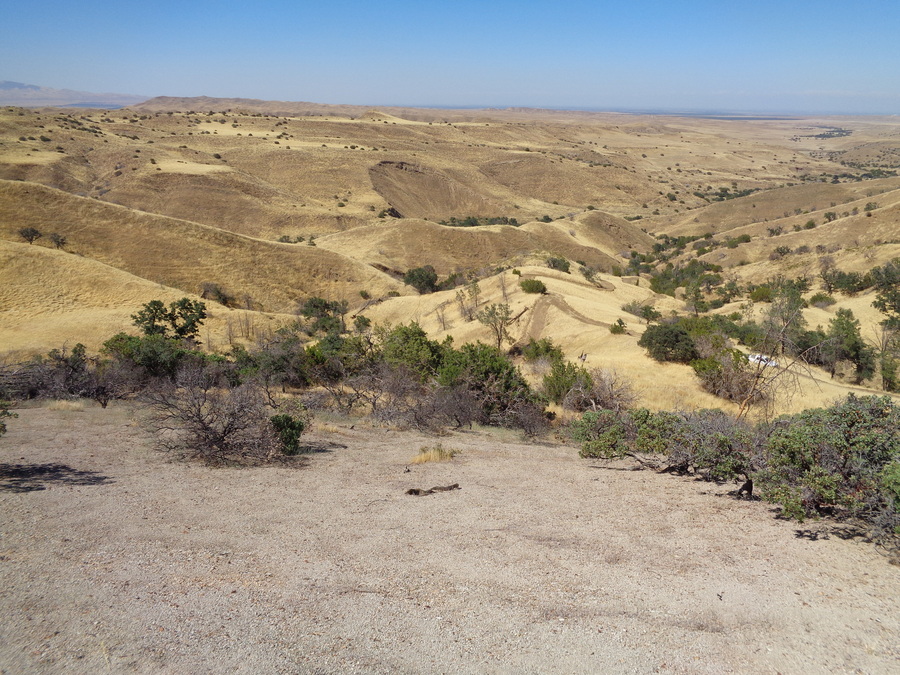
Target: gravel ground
[115, 559]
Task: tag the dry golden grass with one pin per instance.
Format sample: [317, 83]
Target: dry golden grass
[49, 298]
[437, 453]
[185, 255]
[73, 406]
[155, 205]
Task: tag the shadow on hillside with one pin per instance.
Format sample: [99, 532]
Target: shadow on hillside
[32, 477]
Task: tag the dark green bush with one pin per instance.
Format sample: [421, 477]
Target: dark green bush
[182, 319]
[423, 279]
[289, 429]
[409, 346]
[542, 349]
[533, 286]
[843, 458]
[560, 264]
[602, 433]
[153, 355]
[495, 382]
[669, 342]
[562, 378]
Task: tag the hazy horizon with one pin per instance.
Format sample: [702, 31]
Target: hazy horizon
[693, 57]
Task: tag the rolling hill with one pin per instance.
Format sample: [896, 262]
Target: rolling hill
[276, 202]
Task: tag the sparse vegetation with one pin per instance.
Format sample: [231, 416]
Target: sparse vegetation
[473, 221]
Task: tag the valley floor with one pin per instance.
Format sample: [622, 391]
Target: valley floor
[115, 559]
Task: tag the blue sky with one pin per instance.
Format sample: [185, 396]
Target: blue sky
[762, 56]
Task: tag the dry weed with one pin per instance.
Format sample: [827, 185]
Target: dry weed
[436, 454]
[66, 405]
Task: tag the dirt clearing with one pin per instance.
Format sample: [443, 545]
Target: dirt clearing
[114, 559]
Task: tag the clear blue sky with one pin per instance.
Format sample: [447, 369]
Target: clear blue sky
[766, 55]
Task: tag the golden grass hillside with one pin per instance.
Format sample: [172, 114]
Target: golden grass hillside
[50, 298]
[406, 243]
[184, 255]
[160, 199]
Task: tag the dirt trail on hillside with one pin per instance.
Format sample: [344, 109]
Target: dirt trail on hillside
[537, 319]
[114, 559]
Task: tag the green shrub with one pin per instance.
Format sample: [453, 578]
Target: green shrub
[559, 264]
[655, 432]
[562, 378]
[669, 342]
[602, 434]
[618, 328]
[499, 388]
[543, 348]
[4, 412]
[154, 355]
[423, 279]
[532, 286]
[821, 300]
[409, 346]
[889, 479]
[761, 294]
[841, 458]
[289, 429]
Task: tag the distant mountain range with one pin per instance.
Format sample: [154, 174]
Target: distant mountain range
[33, 96]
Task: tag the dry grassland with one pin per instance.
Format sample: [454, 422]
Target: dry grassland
[157, 200]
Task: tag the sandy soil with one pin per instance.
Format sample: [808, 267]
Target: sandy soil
[115, 559]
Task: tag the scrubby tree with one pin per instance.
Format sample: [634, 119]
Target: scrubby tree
[498, 318]
[185, 318]
[887, 298]
[694, 299]
[669, 342]
[783, 322]
[200, 415]
[423, 279]
[844, 342]
[182, 319]
[30, 234]
[504, 396]
[324, 316]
